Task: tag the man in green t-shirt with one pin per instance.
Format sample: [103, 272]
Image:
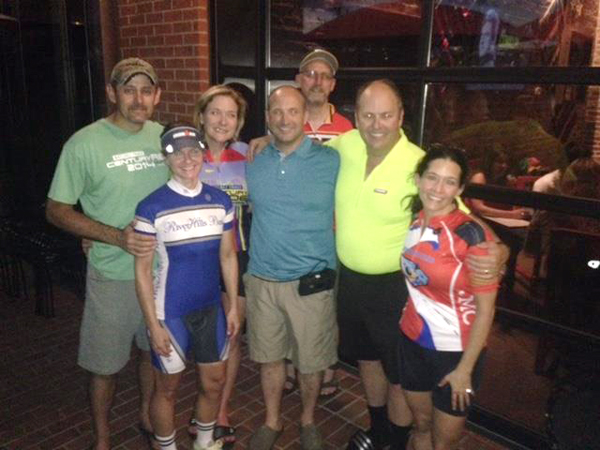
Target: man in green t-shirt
[108, 167]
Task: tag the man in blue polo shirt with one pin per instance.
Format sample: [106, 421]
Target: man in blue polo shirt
[289, 283]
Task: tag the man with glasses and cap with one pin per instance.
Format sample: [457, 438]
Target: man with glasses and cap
[316, 79]
[108, 167]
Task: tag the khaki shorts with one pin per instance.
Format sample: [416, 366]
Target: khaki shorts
[111, 319]
[282, 324]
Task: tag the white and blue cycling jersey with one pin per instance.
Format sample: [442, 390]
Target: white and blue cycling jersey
[188, 225]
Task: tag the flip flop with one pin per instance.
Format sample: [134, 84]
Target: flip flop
[333, 383]
[226, 435]
[293, 382]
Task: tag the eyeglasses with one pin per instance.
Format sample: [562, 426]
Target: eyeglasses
[313, 75]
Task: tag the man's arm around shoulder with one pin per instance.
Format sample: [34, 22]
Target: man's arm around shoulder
[65, 217]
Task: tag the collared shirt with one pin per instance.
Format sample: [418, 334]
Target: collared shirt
[292, 205]
[372, 217]
[335, 125]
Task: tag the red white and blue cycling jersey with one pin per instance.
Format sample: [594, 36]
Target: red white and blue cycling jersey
[188, 225]
[230, 176]
[441, 306]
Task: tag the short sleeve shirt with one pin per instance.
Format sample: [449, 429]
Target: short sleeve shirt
[109, 170]
[230, 176]
[441, 305]
[336, 125]
[371, 214]
[292, 211]
[188, 225]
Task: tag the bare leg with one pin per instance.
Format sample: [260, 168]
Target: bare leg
[102, 391]
[447, 430]
[374, 382]
[162, 405]
[422, 409]
[272, 377]
[233, 365]
[310, 384]
[211, 379]
[398, 411]
[146, 380]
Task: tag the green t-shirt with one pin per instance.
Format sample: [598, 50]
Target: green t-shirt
[109, 170]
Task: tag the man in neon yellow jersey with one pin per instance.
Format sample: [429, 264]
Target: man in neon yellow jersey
[372, 219]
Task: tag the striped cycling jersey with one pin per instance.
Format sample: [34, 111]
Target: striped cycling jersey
[335, 125]
[441, 305]
[188, 225]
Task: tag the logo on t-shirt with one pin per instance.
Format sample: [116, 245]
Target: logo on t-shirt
[135, 161]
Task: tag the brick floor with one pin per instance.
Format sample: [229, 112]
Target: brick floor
[43, 396]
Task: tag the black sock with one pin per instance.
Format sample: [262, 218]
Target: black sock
[399, 436]
[380, 425]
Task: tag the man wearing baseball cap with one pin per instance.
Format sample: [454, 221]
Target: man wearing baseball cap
[108, 167]
[316, 78]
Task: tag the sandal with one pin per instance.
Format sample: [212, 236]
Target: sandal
[226, 435]
[264, 438]
[334, 384]
[192, 430]
[292, 385]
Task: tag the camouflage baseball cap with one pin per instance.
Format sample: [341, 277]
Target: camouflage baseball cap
[127, 68]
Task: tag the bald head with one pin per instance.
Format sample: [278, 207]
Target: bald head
[381, 83]
[285, 91]
[379, 115]
[286, 114]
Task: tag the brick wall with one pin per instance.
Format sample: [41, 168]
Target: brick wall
[172, 35]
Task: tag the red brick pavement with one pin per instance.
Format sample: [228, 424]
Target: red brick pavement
[43, 393]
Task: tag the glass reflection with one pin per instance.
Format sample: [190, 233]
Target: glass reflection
[544, 382]
[236, 32]
[500, 33]
[514, 134]
[361, 33]
[540, 139]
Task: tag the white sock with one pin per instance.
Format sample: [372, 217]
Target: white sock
[205, 433]
[166, 442]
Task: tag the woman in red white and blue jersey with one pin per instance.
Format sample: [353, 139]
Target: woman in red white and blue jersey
[447, 319]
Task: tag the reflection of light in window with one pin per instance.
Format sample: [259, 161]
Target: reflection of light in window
[594, 263]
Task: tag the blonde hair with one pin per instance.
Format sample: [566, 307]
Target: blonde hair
[209, 95]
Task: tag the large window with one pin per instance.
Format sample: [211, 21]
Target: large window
[516, 84]
[513, 33]
[360, 33]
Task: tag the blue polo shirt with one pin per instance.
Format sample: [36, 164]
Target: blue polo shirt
[292, 211]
